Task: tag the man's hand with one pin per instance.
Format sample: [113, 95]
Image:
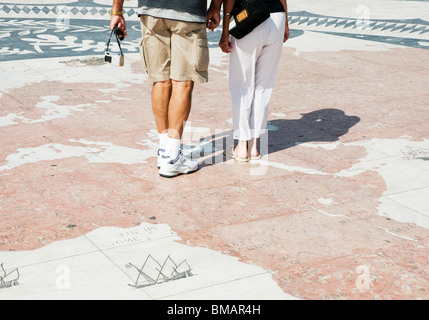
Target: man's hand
[118, 21]
[213, 18]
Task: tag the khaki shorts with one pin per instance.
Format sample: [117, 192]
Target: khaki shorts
[173, 49]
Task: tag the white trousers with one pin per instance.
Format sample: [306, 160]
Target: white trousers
[254, 62]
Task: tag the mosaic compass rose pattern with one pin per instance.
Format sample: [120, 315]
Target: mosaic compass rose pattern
[72, 28]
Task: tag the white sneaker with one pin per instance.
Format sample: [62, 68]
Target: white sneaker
[173, 167]
[161, 152]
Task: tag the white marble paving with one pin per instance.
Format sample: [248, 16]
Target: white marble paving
[97, 266]
[257, 289]
[401, 213]
[380, 9]
[314, 41]
[87, 276]
[59, 69]
[417, 200]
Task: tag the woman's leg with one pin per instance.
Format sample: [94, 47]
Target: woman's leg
[242, 68]
[265, 76]
[253, 147]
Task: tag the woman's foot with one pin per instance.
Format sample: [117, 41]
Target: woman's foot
[253, 149]
[240, 150]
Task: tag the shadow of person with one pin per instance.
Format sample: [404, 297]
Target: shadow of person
[325, 125]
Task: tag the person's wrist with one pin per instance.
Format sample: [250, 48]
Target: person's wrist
[215, 5]
[116, 12]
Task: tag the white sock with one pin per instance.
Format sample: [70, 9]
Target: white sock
[172, 147]
[162, 140]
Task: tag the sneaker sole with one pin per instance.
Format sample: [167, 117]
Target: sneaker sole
[175, 174]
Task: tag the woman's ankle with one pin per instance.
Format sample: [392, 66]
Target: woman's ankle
[241, 149]
[253, 148]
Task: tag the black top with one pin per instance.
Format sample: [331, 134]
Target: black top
[197, 7]
[274, 6]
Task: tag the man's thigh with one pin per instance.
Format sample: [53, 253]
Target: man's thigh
[174, 50]
[189, 51]
[155, 48]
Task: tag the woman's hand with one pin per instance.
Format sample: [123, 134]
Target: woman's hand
[287, 32]
[224, 43]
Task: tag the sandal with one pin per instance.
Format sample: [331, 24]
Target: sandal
[231, 154]
[255, 158]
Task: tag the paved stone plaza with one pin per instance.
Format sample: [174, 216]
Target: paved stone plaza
[336, 209]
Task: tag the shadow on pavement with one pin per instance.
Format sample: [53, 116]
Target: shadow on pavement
[324, 125]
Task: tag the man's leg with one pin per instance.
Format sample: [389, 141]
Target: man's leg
[155, 49]
[189, 64]
[161, 96]
[178, 113]
[179, 108]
